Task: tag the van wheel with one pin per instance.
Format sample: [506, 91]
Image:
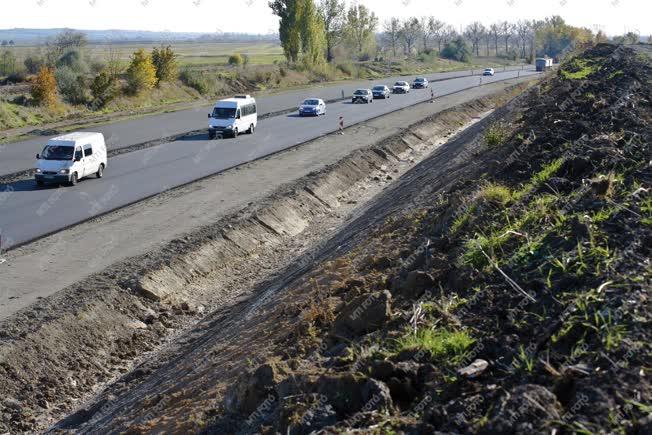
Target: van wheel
[235, 132]
[211, 134]
[73, 179]
[251, 129]
[100, 171]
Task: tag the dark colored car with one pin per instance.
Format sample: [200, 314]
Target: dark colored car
[381, 91]
[362, 96]
[420, 83]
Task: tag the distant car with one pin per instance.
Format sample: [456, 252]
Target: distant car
[381, 91]
[312, 107]
[401, 87]
[363, 96]
[420, 83]
[488, 72]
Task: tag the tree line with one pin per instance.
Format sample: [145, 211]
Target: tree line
[311, 31]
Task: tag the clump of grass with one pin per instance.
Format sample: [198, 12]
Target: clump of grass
[577, 69]
[496, 194]
[442, 344]
[495, 135]
[546, 172]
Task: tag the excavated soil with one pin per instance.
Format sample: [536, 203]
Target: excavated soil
[58, 352]
[496, 288]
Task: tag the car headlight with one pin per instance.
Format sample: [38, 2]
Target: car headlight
[38, 171]
[229, 127]
[64, 171]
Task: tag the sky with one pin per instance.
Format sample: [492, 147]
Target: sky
[254, 16]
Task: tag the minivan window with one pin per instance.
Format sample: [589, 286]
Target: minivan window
[249, 109]
[78, 154]
[88, 150]
[55, 152]
[223, 112]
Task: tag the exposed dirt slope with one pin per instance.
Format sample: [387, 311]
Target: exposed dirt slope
[63, 348]
[505, 292]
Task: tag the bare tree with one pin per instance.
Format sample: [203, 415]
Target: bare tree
[523, 32]
[392, 28]
[506, 29]
[410, 32]
[448, 33]
[494, 32]
[475, 32]
[437, 29]
[332, 14]
[426, 31]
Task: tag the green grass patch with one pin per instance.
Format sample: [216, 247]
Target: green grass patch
[496, 194]
[578, 69]
[495, 135]
[442, 344]
[544, 174]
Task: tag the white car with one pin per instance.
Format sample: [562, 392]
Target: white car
[401, 87]
[312, 107]
[71, 157]
[488, 72]
[233, 116]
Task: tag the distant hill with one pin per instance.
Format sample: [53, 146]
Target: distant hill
[35, 36]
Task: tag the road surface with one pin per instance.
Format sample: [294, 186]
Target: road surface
[28, 212]
[19, 156]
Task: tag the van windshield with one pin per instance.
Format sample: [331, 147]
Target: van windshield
[53, 152]
[311, 103]
[224, 112]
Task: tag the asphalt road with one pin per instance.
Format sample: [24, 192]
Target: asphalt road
[19, 156]
[28, 212]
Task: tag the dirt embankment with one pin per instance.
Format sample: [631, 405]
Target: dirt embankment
[506, 291]
[63, 348]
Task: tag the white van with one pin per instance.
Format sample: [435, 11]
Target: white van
[71, 157]
[233, 116]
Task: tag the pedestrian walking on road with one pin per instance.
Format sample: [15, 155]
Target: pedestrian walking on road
[341, 124]
[432, 95]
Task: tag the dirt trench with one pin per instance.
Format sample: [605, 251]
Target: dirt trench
[57, 353]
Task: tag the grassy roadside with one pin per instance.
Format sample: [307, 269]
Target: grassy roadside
[201, 85]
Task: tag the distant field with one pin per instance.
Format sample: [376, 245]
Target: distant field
[190, 53]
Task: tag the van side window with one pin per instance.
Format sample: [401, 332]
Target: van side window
[249, 109]
[78, 154]
[88, 150]
[237, 114]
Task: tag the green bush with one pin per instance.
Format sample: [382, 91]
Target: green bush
[458, 50]
[141, 74]
[235, 59]
[103, 89]
[7, 63]
[195, 80]
[165, 61]
[33, 64]
[71, 85]
[73, 59]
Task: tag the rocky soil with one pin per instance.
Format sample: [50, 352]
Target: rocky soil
[504, 288]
